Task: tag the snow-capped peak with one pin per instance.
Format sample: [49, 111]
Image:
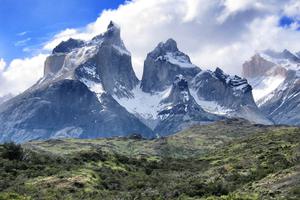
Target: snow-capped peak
[169, 46]
[168, 52]
[284, 59]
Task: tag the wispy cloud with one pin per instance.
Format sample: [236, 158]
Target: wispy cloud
[22, 33]
[21, 43]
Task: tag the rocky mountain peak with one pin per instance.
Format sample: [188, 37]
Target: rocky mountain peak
[170, 45]
[103, 63]
[112, 36]
[281, 57]
[256, 66]
[163, 64]
[113, 25]
[113, 30]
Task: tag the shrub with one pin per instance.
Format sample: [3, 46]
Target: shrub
[12, 151]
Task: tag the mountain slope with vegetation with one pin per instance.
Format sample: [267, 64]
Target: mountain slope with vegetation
[225, 160]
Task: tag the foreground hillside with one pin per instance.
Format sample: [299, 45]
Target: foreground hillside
[226, 160]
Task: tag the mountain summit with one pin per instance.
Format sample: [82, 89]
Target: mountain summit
[163, 64]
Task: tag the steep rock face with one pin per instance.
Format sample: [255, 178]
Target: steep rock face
[163, 64]
[54, 63]
[232, 93]
[180, 110]
[257, 66]
[104, 59]
[277, 90]
[65, 108]
[113, 63]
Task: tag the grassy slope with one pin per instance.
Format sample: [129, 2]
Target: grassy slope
[226, 160]
[190, 143]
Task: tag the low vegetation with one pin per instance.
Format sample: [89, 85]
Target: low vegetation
[223, 161]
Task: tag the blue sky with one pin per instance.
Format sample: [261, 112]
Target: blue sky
[29, 23]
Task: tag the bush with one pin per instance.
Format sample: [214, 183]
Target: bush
[12, 151]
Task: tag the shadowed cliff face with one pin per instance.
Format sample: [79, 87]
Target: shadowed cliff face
[66, 108]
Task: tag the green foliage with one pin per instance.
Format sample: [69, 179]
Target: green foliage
[261, 165]
[12, 151]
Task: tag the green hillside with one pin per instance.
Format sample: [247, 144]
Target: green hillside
[226, 160]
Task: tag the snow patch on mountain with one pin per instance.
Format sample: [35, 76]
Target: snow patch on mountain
[177, 59]
[211, 106]
[264, 86]
[95, 87]
[144, 105]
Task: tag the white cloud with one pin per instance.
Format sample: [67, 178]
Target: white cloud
[221, 33]
[214, 33]
[2, 65]
[20, 74]
[292, 9]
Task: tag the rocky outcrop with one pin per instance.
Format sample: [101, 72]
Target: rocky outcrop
[163, 64]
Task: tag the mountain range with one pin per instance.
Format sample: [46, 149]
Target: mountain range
[89, 90]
